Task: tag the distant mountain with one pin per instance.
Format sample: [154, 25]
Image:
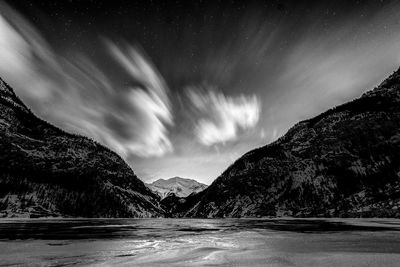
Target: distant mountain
[45, 171]
[343, 162]
[180, 187]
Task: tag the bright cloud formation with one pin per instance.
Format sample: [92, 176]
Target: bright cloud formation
[151, 103]
[77, 96]
[223, 116]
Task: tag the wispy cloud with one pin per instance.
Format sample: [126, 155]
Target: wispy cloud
[151, 103]
[324, 69]
[76, 95]
[221, 117]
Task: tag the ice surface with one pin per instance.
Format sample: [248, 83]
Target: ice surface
[199, 242]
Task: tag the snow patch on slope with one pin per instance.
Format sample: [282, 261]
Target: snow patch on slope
[181, 187]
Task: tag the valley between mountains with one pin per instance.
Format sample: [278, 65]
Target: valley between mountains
[344, 162]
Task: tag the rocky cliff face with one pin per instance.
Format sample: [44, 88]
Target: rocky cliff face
[343, 162]
[180, 187]
[45, 171]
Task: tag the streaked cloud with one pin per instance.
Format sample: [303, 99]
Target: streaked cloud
[299, 61]
[76, 95]
[151, 103]
[221, 117]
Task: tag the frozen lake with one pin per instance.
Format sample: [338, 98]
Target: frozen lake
[198, 242]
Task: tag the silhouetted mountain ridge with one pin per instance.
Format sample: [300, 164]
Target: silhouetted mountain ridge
[45, 171]
[343, 162]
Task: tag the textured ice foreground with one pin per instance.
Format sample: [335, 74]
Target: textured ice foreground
[184, 242]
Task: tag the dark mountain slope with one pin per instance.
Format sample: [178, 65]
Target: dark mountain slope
[343, 162]
[45, 171]
[175, 206]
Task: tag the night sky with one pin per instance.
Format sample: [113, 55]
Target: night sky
[184, 89]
